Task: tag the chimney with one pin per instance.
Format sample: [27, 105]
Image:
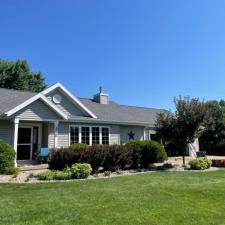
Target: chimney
[101, 98]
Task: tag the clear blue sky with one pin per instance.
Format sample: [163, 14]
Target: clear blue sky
[142, 52]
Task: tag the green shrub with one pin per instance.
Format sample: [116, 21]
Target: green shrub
[46, 175]
[62, 175]
[78, 146]
[147, 152]
[7, 156]
[201, 163]
[136, 154]
[116, 157]
[55, 175]
[81, 170]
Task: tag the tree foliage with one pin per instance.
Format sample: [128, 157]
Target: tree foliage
[214, 125]
[18, 75]
[184, 125]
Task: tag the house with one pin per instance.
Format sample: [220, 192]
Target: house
[56, 118]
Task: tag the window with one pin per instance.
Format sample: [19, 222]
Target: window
[81, 134]
[74, 135]
[105, 136]
[95, 135]
[85, 134]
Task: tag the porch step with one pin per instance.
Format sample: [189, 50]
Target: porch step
[33, 167]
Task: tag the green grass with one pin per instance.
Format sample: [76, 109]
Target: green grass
[157, 198]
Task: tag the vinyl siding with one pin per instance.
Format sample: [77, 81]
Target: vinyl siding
[6, 131]
[51, 135]
[66, 105]
[118, 134]
[63, 134]
[138, 131]
[37, 111]
[114, 135]
[45, 131]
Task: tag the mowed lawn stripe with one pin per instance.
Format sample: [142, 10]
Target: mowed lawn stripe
[158, 198]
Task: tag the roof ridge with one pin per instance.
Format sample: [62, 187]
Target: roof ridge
[131, 106]
[142, 107]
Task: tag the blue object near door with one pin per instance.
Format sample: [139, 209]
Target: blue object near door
[44, 152]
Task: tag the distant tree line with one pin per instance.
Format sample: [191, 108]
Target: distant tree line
[18, 75]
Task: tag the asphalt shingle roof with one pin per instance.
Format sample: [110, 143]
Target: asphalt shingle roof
[111, 112]
[11, 98]
[122, 113]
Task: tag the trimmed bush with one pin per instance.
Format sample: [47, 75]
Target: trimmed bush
[46, 175]
[110, 157]
[147, 152]
[7, 157]
[201, 163]
[78, 146]
[55, 175]
[81, 170]
[62, 175]
[116, 157]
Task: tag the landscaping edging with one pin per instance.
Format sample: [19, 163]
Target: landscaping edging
[25, 176]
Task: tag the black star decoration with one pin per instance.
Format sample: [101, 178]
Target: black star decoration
[131, 135]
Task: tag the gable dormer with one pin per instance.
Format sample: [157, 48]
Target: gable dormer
[67, 102]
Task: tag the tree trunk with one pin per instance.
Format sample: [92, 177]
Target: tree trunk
[184, 151]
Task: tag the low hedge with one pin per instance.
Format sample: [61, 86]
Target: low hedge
[77, 171]
[201, 163]
[7, 157]
[147, 152]
[110, 158]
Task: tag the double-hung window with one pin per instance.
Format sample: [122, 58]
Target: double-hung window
[105, 135]
[74, 135]
[89, 135]
[95, 135]
[85, 135]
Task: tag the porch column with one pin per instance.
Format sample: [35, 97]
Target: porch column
[56, 132]
[15, 137]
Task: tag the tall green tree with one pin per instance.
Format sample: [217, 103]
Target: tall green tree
[18, 75]
[183, 126]
[214, 125]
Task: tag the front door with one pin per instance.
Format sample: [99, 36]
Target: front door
[24, 146]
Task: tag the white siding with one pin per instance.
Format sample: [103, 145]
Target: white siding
[6, 131]
[37, 111]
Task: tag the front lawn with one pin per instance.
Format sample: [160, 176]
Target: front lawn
[156, 198]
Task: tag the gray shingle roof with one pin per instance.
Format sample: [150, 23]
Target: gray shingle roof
[111, 112]
[122, 113]
[11, 98]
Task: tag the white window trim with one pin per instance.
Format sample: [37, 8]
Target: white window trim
[79, 128]
[90, 133]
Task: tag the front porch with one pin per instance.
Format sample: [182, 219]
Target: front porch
[31, 165]
[30, 136]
